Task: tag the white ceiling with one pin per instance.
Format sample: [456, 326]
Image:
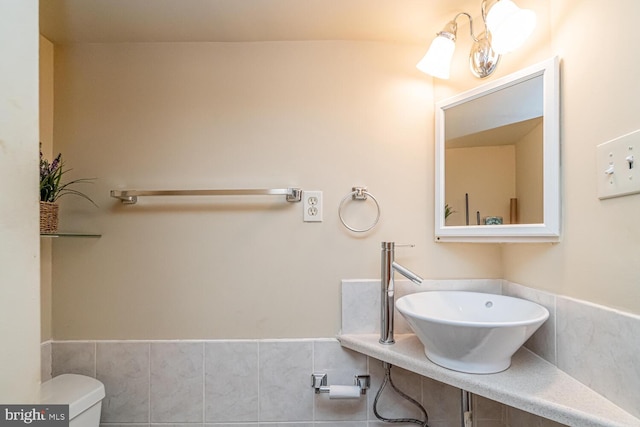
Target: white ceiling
[503, 135]
[105, 21]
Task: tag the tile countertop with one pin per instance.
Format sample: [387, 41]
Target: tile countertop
[531, 383]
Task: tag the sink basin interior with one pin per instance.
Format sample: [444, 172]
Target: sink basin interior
[470, 331]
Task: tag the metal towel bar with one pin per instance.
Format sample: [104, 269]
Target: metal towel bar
[130, 197]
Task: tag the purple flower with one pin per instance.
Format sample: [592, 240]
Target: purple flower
[55, 163]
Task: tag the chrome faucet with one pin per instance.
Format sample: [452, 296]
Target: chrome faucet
[389, 266]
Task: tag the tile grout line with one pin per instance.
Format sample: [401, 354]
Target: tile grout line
[368, 395]
[555, 331]
[204, 380]
[259, 382]
[149, 386]
[313, 367]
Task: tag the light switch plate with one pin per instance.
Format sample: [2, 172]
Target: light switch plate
[618, 166]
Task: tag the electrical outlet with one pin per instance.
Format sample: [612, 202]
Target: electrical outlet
[312, 206]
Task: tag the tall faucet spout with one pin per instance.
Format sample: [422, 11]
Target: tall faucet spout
[387, 306]
[407, 273]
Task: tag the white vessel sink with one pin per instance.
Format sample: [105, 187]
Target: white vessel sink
[470, 331]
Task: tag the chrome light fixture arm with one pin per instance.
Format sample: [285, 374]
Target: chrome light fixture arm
[471, 33]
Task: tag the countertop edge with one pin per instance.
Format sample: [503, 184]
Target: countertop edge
[531, 383]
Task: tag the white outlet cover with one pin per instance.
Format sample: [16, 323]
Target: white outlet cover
[312, 206]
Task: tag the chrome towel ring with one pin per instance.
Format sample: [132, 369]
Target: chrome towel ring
[359, 193]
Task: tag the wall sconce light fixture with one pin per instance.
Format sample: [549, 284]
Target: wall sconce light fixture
[506, 27]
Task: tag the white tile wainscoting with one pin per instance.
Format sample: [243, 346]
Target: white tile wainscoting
[253, 383]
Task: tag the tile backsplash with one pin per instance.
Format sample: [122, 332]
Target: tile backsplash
[601, 348]
[268, 382]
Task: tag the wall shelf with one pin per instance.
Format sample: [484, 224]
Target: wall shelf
[63, 234]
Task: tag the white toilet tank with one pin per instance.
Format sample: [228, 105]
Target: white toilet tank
[83, 395]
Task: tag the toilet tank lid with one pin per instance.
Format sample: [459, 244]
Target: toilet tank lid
[78, 391]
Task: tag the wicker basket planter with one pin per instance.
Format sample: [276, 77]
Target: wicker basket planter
[48, 218]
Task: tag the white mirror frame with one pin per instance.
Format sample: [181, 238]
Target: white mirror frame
[549, 230]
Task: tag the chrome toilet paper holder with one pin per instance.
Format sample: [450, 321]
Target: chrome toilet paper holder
[319, 383]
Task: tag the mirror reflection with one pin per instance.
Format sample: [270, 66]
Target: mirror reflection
[494, 157]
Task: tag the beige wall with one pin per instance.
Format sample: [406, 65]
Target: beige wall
[597, 259]
[19, 305]
[529, 179]
[319, 115]
[46, 139]
[487, 174]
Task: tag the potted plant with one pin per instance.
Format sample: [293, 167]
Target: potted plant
[52, 188]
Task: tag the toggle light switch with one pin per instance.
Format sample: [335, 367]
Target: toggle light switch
[617, 174]
[629, 160]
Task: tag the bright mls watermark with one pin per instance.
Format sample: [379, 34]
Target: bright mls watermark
[34, 415]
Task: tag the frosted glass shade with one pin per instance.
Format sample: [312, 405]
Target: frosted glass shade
[509, 26]
[437, 61]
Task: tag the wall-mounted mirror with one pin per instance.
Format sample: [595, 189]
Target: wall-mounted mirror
[498, 160]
